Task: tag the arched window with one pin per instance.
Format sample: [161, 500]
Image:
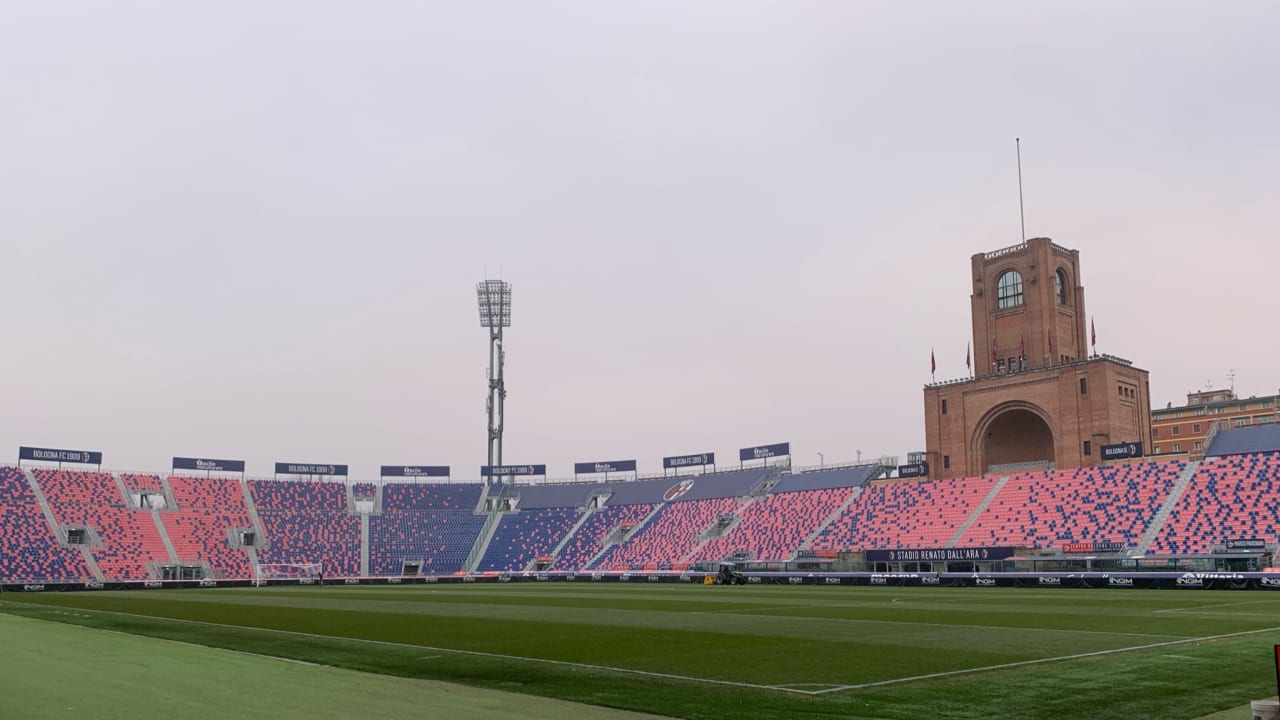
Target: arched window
[1009, 290]
[1060, 286]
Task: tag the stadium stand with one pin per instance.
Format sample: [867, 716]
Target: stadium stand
[590, 539]
[307, 522]
[14, 487]
[669, 536]
[521, 537]
[430, 496]
[1044, 509]
[916, 514]
[1228, 498]
[72, 488]
[147, 483]
[29, 551]
[129, 538]
[431, 523]
[639, 492]
[1246, 440]
[364, 490]
[774, 527]
[823, 479]
[208, 508]
[551, 496]
[735, 483]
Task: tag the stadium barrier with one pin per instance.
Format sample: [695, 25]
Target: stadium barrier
[1093, 580]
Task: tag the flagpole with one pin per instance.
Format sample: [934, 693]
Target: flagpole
[1022, 218]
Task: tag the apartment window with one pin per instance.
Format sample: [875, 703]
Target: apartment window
[944, 406]
[946, 462]
[1177, 447]
[1198, 445]
[1200, 412]
[1088, 448]
[1177, 430]
[1155, 432]
[1195, 427]
[1120, 391]
[1241, 422]
[1155, 450]
[1084, 386]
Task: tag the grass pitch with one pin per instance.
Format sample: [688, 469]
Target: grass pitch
[743, 652]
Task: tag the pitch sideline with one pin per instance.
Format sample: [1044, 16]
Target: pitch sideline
[788, 688]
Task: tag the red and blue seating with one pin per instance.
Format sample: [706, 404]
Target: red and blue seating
[129, 538]
[209, 508]
[774, 527]
[29, 550]
[589, 540]
[1045, 509]
[669, 536]
[307, 522]
[1228, 498]
[523, 536]
[913, 514]
[429, 523]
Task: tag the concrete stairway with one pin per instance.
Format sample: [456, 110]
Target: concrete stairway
[482, 542]
[364, 545]
[711, 533]
[1175, 494]
[56, 528]
[817, 532]
[964, 526]
[559, 548]
[164, 536]
[639, 526]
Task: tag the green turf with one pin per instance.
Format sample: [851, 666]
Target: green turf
[721, 652]
[54, 670]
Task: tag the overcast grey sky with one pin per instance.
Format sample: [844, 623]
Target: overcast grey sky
[253, 229]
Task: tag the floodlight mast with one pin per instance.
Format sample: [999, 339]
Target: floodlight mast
[494, 297]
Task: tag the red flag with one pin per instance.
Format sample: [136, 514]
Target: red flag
[993, 351]
[1093, 334]
[1022, 346]
[967, 363]
[1051, 355]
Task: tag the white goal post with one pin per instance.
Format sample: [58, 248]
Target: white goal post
[266, 572]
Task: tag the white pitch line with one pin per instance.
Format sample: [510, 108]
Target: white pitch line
[1205, 607]
[752, 611]
[478, 653]
[1041, 661]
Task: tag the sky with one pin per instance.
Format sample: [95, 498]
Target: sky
[253, 230]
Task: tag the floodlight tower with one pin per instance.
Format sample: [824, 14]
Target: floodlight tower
[495, 313]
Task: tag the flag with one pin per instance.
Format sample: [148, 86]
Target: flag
[993, 351]
[1022, 346]
[967, 363]
[1093, 334]
[1051, 355]
[933, 363]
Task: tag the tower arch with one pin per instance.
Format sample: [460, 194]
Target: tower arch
[1015, 432]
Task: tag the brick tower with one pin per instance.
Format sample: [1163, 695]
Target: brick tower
[1037, 398]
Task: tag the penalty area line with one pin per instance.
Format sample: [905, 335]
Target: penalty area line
[474, 653]
[1041, 661]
